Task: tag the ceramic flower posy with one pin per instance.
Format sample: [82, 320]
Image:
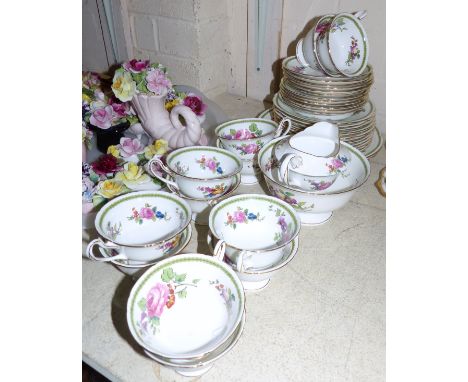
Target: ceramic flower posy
[147, 213]
[210, 163]
[241, 216]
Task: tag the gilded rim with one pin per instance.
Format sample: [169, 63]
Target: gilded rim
[269, 198]
[188, 258]
[137, 194]
[355, 151]
[245, 120]
[361, 30]
[174, 153]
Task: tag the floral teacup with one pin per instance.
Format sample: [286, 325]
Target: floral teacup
[273, 223]
[186, 306]
[141, 226]
[200, 172]
[245, 137]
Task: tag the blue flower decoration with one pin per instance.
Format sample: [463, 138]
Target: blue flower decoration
[343, 159]
[159, 215]
[219, 170]
[251, 216]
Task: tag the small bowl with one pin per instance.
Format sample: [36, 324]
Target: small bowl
[315, 207]
[200, 172]
[245, 137]
[187, 306]
[201, 207]
[274, 224]
[348, 45]
[136, 269]
[140, 226]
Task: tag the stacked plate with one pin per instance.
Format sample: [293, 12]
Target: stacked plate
[307, 96]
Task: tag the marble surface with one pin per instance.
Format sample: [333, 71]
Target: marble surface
[321, 318]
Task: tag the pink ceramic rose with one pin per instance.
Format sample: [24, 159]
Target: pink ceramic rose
[156, 299]
[136, 66]
[211, 164]
[239, 217]
[337, 163]
[146, 213]
[243, 134]
[250, 149]
[120, 109]
[102, 118]
[157, 82]
[195, 103]
[129, 147]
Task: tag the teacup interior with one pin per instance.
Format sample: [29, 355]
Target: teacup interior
[204, 163]
[253, 223]
[202, 307]
[142, 219]
[246, 129]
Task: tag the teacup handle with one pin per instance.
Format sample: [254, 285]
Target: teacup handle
[242, 261]
[284, 167]
[102, 244]
[219, 250]
[166, 169]
[360, 14]
[279, 130]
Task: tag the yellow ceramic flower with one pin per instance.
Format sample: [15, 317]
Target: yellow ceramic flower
[113, 150]
[132, 175]
[170, 104]
[158, 147]
[123, 86]
[111, 188]
[86, 98]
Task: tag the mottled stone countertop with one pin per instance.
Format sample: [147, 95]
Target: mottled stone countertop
[321, 318]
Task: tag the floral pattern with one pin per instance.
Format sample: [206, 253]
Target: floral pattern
[162, 296]
[354, 51]
[181, 168]
[251, 148]
[147, 212]
[225, 293]
[252, 132]
[210, 163]
[114, 230]
[338, 25]
[170, 245]
[271, 163]
[288, 197]
[338, 165]
[285, 229]
[241, 216]
[210, 192]
[322, 30]
[318, 186]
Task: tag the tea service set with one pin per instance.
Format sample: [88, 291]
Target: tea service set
[187, 310]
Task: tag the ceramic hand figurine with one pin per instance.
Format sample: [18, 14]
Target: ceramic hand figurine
[310, 159]
[159, 124]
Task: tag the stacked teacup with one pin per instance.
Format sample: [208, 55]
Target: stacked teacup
[245, 137]
[139, 229]
[260, 233]
[188, 311]
[201, 175]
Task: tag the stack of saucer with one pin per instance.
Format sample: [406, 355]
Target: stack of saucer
[308, 96]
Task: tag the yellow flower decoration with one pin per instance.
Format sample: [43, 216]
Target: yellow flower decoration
[113, 150]
[123, 86]
[132, 175]
[86, 98]
[158, 147]
[170, 104]
[111, 188]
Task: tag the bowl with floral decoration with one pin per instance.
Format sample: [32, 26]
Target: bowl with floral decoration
[315, 207]
[245, 137]
[201, 207]
[160, 109]
[103, 113]
[274, 222]
[198, 170]
[140, 226]
[186, 307]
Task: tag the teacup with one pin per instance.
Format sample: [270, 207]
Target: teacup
[320, 46]
[273, 223]
[348, 46]
[140, 226]
[200, 172]
[305, 50]
[187, 306]
[245, 137]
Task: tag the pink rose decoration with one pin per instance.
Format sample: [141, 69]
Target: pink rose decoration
[250, 149]
[211, 164]
[136, 66]
[243, 134]
[157, 82]
[156, 299]
[195, 103]
[337, 163]
[146, 213]
[120, 109]
[102, 118]
[129, 147]
[239, 217]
